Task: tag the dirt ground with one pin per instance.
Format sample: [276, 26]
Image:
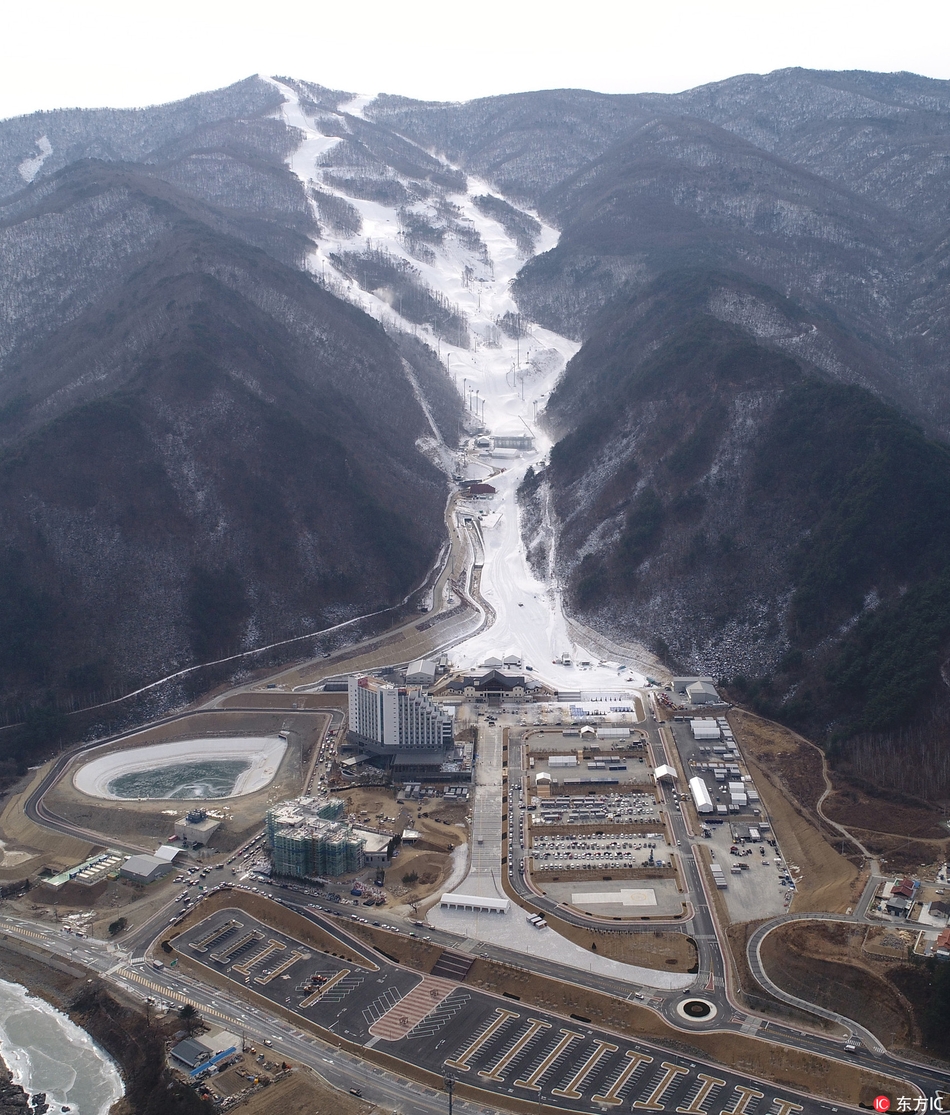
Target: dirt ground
[787, 771]
[824, 963]
[21, 835]
[305, 1093]
[121, 898]
[659, 949]
[757, 998]
[852, 806]
[443, 826]
[907, 836]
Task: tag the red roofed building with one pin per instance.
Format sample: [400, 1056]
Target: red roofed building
[906, 888]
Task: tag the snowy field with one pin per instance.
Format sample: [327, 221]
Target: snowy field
[263, 754]
[503, 381]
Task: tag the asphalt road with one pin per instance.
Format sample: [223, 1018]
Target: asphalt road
[712, 978]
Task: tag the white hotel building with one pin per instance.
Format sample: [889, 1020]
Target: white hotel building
[386, 719]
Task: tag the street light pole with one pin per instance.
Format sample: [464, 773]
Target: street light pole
[449, 1085]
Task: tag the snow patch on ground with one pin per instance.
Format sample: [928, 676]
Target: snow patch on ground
[30, 167]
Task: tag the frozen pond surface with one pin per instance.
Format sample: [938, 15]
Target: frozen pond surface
[46, 1052]
[185, 769]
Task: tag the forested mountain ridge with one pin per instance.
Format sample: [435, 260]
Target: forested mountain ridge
[830, 188]
[202, 450]
[750, 472]
[758, 270]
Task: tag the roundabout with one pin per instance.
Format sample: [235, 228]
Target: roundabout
[696, 1010]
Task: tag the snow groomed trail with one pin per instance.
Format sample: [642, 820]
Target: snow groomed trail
[504, 382]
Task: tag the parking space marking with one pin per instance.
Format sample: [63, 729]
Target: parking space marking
[535, 1026]
[670, 1073]
[380, 1007]
[501, 1017]
[215, 936]
[707, 1084]
[785, 1107]
[325, 987]
[743, 1100]
[225, 958]
[636, 1061]
[291, 960]
[572, 1090]
[441, 1016]
[342, 988]
[531, 1081]
[420, 1002]
[269, 949]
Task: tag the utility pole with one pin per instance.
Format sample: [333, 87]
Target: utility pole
[449, 1086]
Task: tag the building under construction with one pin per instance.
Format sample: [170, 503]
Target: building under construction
[306, 839]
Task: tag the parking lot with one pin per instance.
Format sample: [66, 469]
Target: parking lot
[612, 851]
[619, 898]
[495, 1045]
[612, 809]
[755, 875]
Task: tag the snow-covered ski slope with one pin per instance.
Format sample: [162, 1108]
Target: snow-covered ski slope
[505, 382]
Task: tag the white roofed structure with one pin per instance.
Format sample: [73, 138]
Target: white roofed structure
[421, 672]
[665, 771]
[167, 852]
[702, 693]
[701, 798]
[456, 901]
[705, 728]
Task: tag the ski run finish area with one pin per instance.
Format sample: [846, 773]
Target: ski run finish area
[248, 764]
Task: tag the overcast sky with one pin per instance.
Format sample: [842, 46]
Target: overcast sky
[59, 53]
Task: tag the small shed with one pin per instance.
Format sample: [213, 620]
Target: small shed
[168, 852]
